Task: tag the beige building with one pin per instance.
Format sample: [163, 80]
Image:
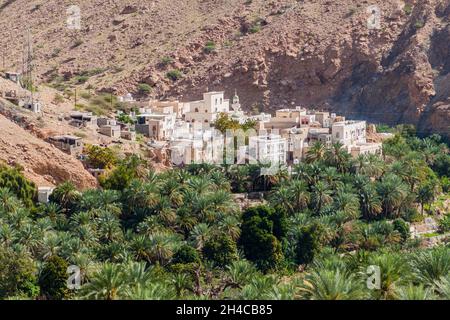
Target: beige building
[128, 135]
[349, 132]
[207, 110]
[366, 148]
[112, 131]
[158, 126]
[177, 107]
[324, 119]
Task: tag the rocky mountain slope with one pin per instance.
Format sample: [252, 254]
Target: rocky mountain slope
[43, 164]
[314, 53]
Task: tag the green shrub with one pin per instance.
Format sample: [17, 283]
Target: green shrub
[53, 279]
[403, 228]
[17, 274]
[144, 88]
[412, 215]
[221, 250]
[186, 254]
[255, 28]
[81, 79]
[174, 75]
[209, 47]
[444, 224]
[419, 24]
[14, 180]
[166, 61]
[58, 99]
[260, 228]
[408, 9]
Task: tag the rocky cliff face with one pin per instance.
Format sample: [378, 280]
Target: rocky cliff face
[314, 53]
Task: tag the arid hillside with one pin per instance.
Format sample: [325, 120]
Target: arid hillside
[388, 64]
[43, 163]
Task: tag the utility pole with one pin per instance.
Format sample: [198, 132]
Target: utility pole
[28, 65]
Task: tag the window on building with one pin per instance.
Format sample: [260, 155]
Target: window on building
[206, 121]
[196, 109]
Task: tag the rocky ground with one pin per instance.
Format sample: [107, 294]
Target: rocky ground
[43, 164]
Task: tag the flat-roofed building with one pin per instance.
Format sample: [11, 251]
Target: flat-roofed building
[349, 132]
[44, 194]
[366, 148]
[268, 148]
[83, 119]
[177, 107]
[158, 126]
[112, 131]
[324, 119]
[128, 135]
[13, 76]
[207, 110]
[322, 135]
[106, 122]
[69, 144]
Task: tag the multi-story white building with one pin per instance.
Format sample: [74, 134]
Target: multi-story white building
[197, 146]
[349, 132]
[207, 110]
[268, 148]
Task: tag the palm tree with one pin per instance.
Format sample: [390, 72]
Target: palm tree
[109, 228]
[199, 184]
[8, 201]
[282, 197]
[369, 165]
[181, 282]
[200, 234]
[392, 192]
[153, 291]
[321, 196]
[412, 292]
[332, 284]
[426, 194]
[219, 180]
[231, 226]
[338, 157]
[431, 265]
[240, 273]
[442, 287]
[185, 221]
[140, 196]
[239, 178]
[161, 247]
[347, 202]
[106, 284]
[300, 195]
[67, 196]
[393, 271]
[316, 153]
